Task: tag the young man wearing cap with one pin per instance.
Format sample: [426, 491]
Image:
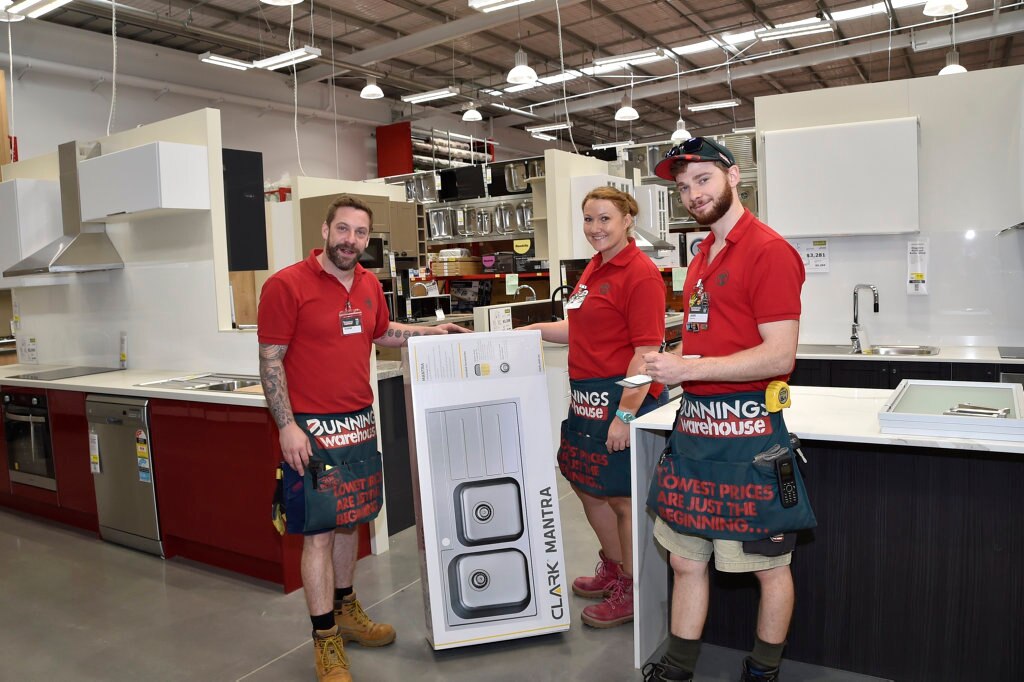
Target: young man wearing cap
[742, 318]
[317, 321]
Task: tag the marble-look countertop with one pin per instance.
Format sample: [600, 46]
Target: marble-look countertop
[986, 354]
[847, 415]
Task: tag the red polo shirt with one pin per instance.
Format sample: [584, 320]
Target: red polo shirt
[756, 278]
[299, 307]
[624, 308]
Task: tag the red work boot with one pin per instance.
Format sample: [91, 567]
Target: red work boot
[616, 609]
[599, 585]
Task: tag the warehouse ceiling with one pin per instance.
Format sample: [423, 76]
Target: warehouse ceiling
[417, 45]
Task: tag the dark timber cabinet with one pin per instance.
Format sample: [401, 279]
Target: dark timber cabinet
[886, 373]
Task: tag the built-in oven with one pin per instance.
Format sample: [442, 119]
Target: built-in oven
[27, 432]
[376, 258]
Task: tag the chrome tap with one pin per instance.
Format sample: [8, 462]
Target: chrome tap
[532, 295]
[855, 333]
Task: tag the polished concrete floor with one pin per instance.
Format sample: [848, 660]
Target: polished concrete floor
[75, 608]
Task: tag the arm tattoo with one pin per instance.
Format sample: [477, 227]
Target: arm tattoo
[275, 383]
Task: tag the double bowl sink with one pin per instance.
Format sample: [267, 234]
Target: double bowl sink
[207, 382]
[830, 349]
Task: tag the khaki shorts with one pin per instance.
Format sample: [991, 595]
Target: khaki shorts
[729, 554]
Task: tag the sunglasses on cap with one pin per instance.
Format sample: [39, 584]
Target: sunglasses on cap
[694, 149]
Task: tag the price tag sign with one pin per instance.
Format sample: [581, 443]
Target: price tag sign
[511, 283]
[678, 278]
[814, 253]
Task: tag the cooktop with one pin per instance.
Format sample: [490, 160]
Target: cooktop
[1011, 352]
[66, 373]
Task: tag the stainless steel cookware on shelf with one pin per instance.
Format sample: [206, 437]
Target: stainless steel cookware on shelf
[440, 223]
[484, 222]
[465, 221]
[426, 187]
[524, 216]
[504, 218]
[535, 168]
[515, 176]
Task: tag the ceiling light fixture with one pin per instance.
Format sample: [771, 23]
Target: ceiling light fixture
[371, 90]
[625, 111]
[548, 127]
[708, 106]
[228, 62]
[794, 30]
[612, 145]
[521, 73]
[472, 115]
[20, 7]
[494, 5]
[944, 8]
[421, 97]
[680, 134]
[280, 3]
[952, 64]
[543, 136]
[645, 56]
[744, 131]
[284, 59]
[8, 18]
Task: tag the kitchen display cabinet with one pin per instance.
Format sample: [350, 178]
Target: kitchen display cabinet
[29, 220]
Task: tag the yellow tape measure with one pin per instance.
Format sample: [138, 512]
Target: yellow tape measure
[776, 396]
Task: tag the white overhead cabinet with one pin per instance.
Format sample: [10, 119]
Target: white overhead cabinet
[153, 179]
[846, 179]
[29, 220]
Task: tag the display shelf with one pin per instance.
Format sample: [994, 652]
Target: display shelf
[486, 275]
[481, 238]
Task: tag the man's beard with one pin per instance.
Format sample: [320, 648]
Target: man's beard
[718, 208]
[335, 255]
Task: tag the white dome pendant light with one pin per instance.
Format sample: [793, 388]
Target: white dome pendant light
[372, 90]
[943, 8]
[522, 73]
[472, 115]
[952, 64]
[680, 134]
[626, 112]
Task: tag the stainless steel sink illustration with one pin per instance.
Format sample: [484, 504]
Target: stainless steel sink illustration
[491, 583]
[488, 511]
[901, 350]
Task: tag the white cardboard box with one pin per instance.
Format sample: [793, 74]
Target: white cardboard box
[486, 499]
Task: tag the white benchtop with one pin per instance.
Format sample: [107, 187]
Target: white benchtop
[848, 415]
[980, 354]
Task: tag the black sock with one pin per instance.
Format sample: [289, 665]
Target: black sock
[323, 622]
[765, 655]
[683, 653]
[340, 593]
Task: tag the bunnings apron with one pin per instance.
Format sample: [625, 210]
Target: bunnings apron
[583, 457]
[719, 476]
[343, 485]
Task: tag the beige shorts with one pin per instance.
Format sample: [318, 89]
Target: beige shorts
[729, 554]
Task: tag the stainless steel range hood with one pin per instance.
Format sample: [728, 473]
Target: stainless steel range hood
[82, 248]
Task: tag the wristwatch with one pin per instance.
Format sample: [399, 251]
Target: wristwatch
[626, 417]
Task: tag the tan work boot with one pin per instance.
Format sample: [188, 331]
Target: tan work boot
[331, 662]
[355, 626]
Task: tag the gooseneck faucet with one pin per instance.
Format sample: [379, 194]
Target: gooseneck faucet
[532, 296]
[855, 333]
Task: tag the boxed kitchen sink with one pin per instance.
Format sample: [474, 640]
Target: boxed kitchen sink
[486, 501]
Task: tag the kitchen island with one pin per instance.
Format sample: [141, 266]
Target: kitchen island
[913, 572]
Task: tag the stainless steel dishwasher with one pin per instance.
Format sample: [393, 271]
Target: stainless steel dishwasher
[121, 457]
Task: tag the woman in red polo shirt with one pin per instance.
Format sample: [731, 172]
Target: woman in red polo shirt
[616, 314]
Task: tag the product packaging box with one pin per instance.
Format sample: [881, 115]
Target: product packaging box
[487, 517]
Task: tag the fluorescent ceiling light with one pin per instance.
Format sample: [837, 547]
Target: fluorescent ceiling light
[612, 145]
[605, 68]
[493, 93]
[644, 56]
[943, 8]
[8, 18]
[20, 7]
[543, 136]
[284, 59]
[513, 110]
[737, 38]
[494, 5]
[795, 29]
[521, 73]
[471, 115]
[707, 106]
[280, 3]
[743, 131]
[559, 77]
[40, 9]
[548, 127]
[702, 46]
[523, 86]
[421, 97]
[228, 62]
[371, 90]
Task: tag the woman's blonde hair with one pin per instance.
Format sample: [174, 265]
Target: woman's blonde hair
[624, 202]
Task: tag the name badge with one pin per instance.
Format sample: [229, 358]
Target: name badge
[699, 305]
[351, 321]
[576, 300]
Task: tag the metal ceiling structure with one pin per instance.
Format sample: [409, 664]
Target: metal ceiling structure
[417, 45]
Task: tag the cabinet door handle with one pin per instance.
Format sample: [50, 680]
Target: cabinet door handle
[26, 418]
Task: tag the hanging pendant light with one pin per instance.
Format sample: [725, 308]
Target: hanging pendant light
[521, 73]
[372, 90]
[680, 134]
[472, 115]
[626, 112]
[952, 64]
[943, 8]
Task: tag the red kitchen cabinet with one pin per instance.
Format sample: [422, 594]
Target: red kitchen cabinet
[5, 478]
[69, 436]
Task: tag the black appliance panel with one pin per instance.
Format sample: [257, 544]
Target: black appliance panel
[244, 210]
[466, 182]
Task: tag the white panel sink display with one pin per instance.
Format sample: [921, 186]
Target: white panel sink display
[922, 408]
